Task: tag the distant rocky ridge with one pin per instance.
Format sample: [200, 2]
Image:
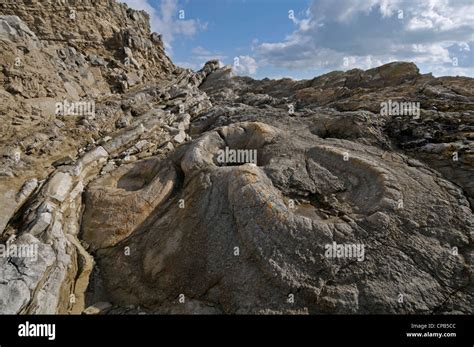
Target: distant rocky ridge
[130, 210]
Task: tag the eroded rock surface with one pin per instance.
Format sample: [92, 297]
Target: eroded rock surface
[203, 192]
[280, 248]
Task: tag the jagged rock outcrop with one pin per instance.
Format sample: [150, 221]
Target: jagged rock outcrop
[49, 156]
[140, 186]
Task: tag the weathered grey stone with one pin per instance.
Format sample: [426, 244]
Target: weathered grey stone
[21, 275]
[59, 186]
[41, 223]
[181, 137]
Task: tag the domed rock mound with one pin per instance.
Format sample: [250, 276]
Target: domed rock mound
[313, 225]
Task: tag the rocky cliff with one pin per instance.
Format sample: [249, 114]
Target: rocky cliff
[140, 186]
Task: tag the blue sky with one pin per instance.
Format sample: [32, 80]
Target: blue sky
[306, 38]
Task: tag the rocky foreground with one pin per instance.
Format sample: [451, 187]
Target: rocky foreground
[111, 172]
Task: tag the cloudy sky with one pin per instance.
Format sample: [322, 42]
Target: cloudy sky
[306, 38]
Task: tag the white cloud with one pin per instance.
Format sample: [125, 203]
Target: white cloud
[367, 33]
[166, 20]
[420, 24]
[463, 46]
[245, 65]
[303, 24]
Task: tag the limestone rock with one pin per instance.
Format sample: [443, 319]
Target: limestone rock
[245, 208]
[59, 185]
[144, 186]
